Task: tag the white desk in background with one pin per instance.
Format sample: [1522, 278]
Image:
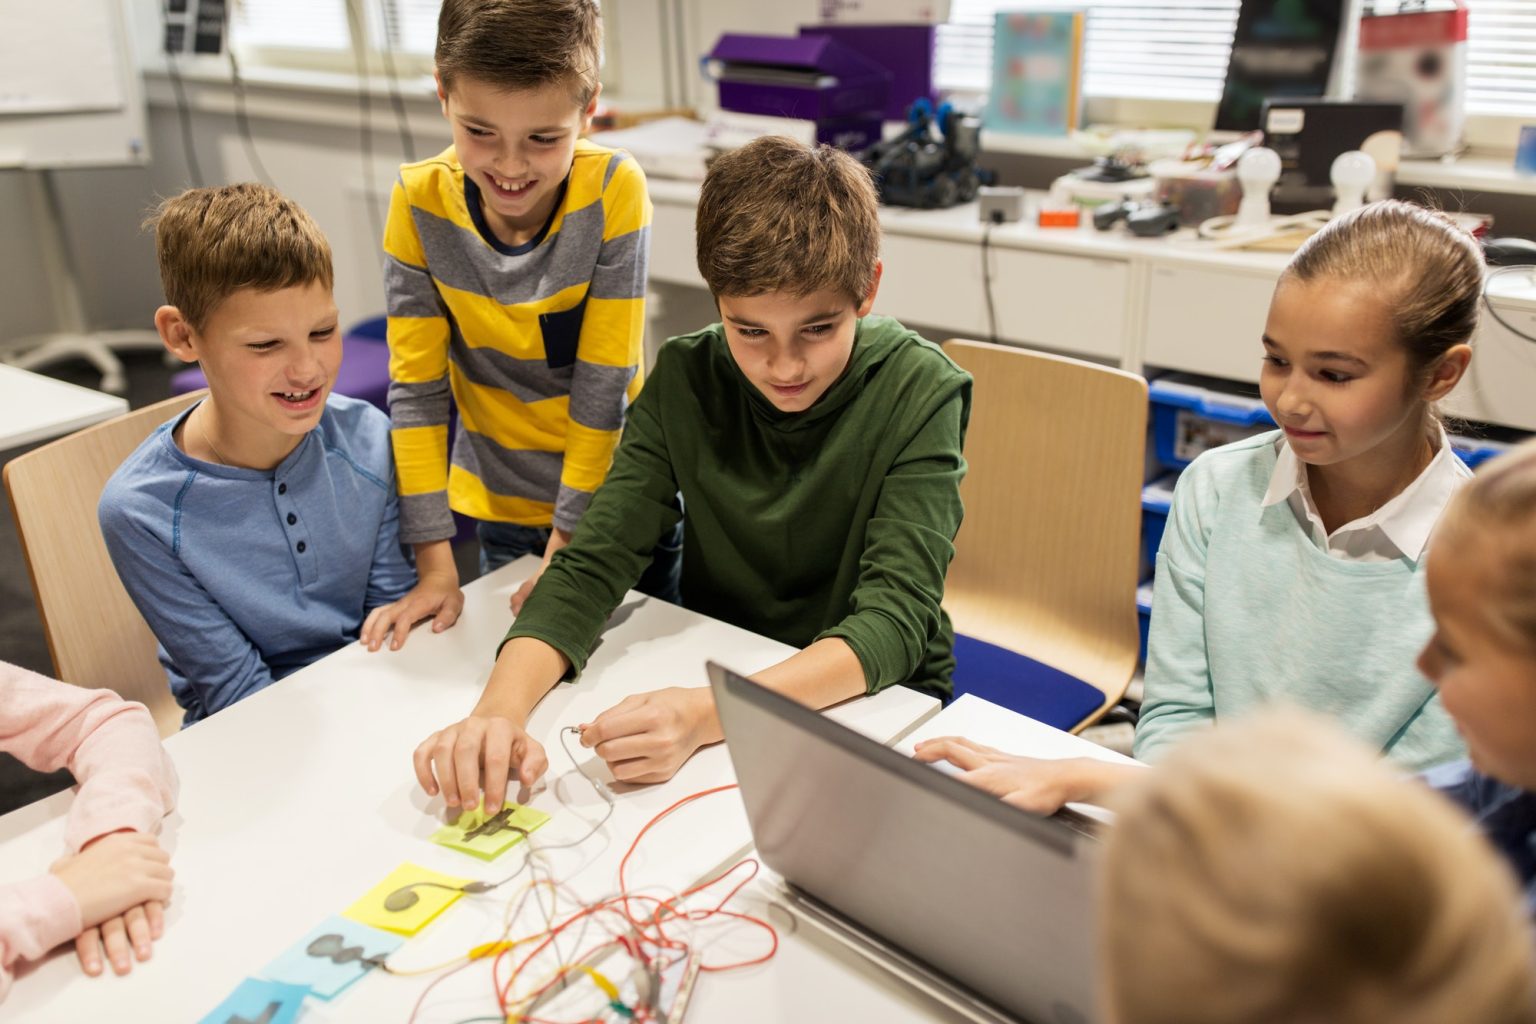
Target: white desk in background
[34, 407]
[1135, 303]
[301, 798]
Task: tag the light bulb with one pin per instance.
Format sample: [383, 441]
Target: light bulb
[1257, 171]
[1352, 173]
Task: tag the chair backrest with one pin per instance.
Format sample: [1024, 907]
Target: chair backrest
[1048, 554]
[97, 637]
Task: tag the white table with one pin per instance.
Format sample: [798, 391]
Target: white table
[34, 407]
[299, 799]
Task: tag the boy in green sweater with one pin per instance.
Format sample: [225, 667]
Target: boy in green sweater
[817, 450]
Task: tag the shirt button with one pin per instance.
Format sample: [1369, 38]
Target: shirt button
[302, 545]
[292, 518]
[282, 488]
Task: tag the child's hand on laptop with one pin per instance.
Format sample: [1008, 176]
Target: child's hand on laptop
[435, 596]
[647, 737]
[1036, 785]
[451, 760]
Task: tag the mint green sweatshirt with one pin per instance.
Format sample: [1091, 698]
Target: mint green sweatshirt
[1248, 611]
[838, 521]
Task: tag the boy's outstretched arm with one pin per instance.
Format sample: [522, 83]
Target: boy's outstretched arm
[648, 736]
[485, 750]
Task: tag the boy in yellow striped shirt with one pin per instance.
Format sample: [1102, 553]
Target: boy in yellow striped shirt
[515, 279]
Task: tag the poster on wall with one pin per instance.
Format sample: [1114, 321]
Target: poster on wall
[1281, 48]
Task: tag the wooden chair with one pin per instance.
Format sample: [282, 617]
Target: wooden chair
[1046, 560]
[97, 637]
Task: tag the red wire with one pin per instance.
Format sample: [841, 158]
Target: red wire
[643, 927]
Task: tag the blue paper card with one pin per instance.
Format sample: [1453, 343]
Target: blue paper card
[260, 1002]
[333, 956]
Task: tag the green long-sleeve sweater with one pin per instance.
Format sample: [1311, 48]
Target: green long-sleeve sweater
[836, 521]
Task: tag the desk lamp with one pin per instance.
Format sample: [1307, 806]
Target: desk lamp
[1352, 173]
[1257, 171]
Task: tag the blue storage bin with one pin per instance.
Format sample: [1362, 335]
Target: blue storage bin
[1475, 451]
[1193, 414]
[1156, 500]
[1144, 615]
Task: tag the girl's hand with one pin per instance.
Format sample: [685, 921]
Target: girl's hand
[115, 872]
[1036, 785]
[133, 930]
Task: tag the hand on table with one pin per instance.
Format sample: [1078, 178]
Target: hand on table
[647, 737]
[1036, 785]
[479, 752]
[121, 881]
[558, 539]
[520, 595]
[435, 596]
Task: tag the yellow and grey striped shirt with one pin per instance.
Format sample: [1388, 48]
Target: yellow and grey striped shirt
[538, 344]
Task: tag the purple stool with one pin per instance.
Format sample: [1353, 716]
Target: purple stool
[364, 369]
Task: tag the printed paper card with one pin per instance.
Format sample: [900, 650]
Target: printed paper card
[260, 1002]
[333, 956]
[488, 836]
[405, 915]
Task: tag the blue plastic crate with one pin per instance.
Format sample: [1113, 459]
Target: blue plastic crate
[1193, 414]
[1475, 451]
[1144, 615]
[1156, 500]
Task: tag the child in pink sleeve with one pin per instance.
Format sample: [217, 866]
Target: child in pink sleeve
[109, 890]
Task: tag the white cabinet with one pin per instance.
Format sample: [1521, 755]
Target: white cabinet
[1500, 385]
[1207, 320]
[1070, 304]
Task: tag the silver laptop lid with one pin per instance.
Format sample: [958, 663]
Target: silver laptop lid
[998, 900]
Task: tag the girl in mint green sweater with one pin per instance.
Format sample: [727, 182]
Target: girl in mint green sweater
[1291, 570]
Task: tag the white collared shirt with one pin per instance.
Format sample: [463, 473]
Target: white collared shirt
[1399, 529]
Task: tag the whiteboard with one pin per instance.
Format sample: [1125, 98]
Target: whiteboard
[70, 89]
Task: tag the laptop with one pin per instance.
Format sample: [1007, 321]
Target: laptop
[985, 907]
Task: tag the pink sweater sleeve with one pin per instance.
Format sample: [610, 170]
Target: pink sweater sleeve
[110, 745]
[35, 916]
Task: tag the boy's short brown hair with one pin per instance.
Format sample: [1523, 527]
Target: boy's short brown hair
[212, 242]
[521, 44]
[779, 216]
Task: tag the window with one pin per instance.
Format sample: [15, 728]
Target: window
[1178, 49]
[316, 33]
[1148, 48]
[291, 24]
[1501, 57]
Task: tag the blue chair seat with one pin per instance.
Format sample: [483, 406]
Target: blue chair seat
[1022, 684]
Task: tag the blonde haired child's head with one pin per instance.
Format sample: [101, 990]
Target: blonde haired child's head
[1481, 576]
[1370, 325]
[213, 242]
[248, 278]
[1275, 872]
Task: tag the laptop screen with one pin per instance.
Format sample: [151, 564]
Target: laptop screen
[995, 899]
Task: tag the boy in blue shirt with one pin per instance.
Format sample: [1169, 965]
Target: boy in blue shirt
[257, 530]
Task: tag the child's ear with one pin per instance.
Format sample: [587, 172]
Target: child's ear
[442, 94]
[1447, 372]
[176, 333]
[874, 287]
[591, 111]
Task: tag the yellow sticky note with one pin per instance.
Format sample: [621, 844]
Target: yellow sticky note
[374, 908]
[488, 836]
